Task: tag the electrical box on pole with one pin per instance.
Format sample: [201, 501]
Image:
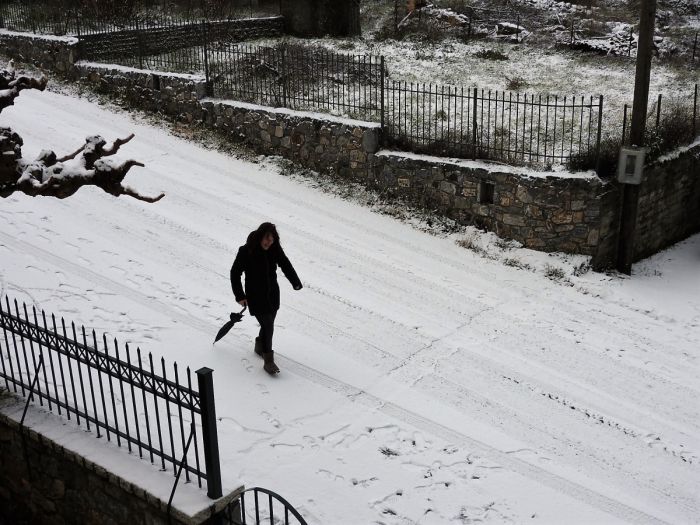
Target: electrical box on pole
[630, 165]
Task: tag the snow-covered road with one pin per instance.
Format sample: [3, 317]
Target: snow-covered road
[421, 382]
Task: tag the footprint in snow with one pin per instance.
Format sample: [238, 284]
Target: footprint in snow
[247, 365]
[272, 420]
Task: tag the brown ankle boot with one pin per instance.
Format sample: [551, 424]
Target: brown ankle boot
[270, 367]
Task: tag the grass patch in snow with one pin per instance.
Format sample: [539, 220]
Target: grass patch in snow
[491, 54]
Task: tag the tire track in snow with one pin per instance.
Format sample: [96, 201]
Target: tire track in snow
[213, 243]
[485, 363]
[603, 322]
[537, 474]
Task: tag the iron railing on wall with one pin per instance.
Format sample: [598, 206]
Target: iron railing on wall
[297, 77]
[122, 395]
[157, 45]
[477, 123]
[670, 122]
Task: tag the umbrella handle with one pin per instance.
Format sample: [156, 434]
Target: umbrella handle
[243, 311]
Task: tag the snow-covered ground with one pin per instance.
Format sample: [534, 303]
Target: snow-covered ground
[421, 381]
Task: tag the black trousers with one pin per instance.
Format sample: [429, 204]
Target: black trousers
[267, 329]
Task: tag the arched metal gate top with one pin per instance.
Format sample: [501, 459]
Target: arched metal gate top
[259, 506]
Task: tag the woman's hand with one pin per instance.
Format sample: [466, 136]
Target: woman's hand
[243, 302]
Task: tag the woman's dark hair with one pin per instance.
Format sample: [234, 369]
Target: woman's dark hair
[256, 236]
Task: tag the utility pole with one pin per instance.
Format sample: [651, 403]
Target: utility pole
[630, 193]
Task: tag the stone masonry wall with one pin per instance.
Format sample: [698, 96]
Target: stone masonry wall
[174, 94]
[342, 146]
[43, 483]
[545, 213]
[50, 53]
[669, 203]
[154, 41]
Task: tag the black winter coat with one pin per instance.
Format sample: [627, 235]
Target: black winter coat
[260, 266]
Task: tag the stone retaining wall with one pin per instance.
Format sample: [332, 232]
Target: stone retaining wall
[154, 41]
[50, 53]
[44, 483]
[321, 143]
[669, 203]
[174, 94]
[549, 213]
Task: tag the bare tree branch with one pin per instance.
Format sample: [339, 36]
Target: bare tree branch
[71, 156]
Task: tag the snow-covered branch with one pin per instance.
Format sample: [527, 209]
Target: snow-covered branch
[53, 176]
[49, 175]
[11, 85]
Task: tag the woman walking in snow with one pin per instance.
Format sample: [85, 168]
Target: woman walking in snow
[259, 258]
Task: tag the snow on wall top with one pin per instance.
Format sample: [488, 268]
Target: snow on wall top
[294, 113]
[127, 69]
[673, 155]
[558, 171]
[67, 39]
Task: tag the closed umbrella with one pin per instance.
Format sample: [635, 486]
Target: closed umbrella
[235, 317]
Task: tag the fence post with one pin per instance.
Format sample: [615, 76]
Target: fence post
[476, 93]
[624, 125]
[572, 30]
[695, 112]
[600, 130]
[284, 76]
[381, 87]
[629, 46]
[210, 437]
[658, 112]
[205, 45]
[139, 43]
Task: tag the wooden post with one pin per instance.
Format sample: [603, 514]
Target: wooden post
[630, 193]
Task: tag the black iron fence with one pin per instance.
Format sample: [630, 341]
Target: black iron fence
[146, 406]
[297, 77]
[476, 123]
[671, 122]
[158, 45]
[258, 506]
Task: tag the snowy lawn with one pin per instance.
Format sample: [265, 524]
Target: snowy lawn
[527, 69]
[422, 381]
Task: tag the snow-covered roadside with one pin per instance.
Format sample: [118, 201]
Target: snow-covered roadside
[422, 382]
